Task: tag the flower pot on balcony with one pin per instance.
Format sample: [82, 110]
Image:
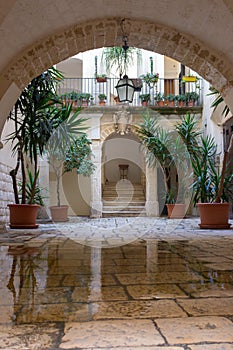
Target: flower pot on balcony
[181, 104]
[23, 216]
[160, 103]
[214, 215]
[101, 79]
[176, 211]
[191, 103]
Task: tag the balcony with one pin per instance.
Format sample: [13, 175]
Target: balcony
[85, 92]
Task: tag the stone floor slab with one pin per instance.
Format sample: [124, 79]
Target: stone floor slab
[29, 337]
[207, 290]
[158, 291]
[160, 277]
[142, 348]
[196, 329]
[137, 309]
[222, 346]
[208, 306]
[103, 334]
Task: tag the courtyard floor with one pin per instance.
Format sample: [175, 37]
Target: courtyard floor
[116, 283]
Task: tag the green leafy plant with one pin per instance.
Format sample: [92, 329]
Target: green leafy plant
[144, 97]
[219, 101]
[159, 97]
[85, 96]
[78, 157]
[170, 97]
[34, 117]
[63, 147]
[212, 183]
[116, 57]
[192, 96]
[150, 79]
[102, 97]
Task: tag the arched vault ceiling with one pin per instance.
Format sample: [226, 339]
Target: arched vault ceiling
[34, 34]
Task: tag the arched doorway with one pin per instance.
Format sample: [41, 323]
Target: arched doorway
[123, 176]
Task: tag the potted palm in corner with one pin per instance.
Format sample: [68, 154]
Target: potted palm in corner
[32, 121]
[165, 148]
[212, 184]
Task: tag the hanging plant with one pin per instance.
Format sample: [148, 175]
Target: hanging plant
[150, 79]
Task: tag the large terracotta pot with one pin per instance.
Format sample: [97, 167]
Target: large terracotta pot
[214, 215]
[176, 211]
[59, 214]
[23, 216]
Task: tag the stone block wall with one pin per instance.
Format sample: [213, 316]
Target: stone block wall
[6, 193]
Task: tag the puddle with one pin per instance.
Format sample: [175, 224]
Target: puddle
[61, 280]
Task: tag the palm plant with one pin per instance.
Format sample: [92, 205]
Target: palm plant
[33, 118]
[218, 101]
[210, 184]
[164, 147]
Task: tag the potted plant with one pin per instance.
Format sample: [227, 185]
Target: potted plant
[166, 149]
[102, 99]
[33, 122]
[181, 99]
[160, 99]
[170, 100]
[212, 187]
[175, 210]
[191, 98]
[85, 98]
[145, 98]
[117, 59]
[68, 148]
[150, 79]
[101, 78]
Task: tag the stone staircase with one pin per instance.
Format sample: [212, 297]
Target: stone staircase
[123, 199]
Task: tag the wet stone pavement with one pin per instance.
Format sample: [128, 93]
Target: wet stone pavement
[116, 283]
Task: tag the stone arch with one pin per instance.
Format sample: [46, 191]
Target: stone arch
[107, 32]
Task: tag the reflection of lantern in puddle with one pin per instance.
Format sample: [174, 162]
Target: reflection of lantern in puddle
[122, 121]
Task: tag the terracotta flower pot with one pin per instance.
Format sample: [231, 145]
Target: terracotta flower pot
[160, 103]
[23, 216]
[59, 214]
[181, 104]
[102, 103]
[176, 211]
[214, 215]
[101, 80]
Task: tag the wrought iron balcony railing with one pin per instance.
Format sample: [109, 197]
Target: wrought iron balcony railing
[166, 92]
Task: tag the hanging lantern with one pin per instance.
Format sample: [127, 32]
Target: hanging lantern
[125, 89]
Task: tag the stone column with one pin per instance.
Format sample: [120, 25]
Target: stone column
[152, 204]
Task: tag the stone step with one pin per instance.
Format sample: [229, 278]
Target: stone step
[123, 208]
[123, 199]
[111, 213]
[120, 203]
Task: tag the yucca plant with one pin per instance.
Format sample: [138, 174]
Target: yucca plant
[33, 118]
